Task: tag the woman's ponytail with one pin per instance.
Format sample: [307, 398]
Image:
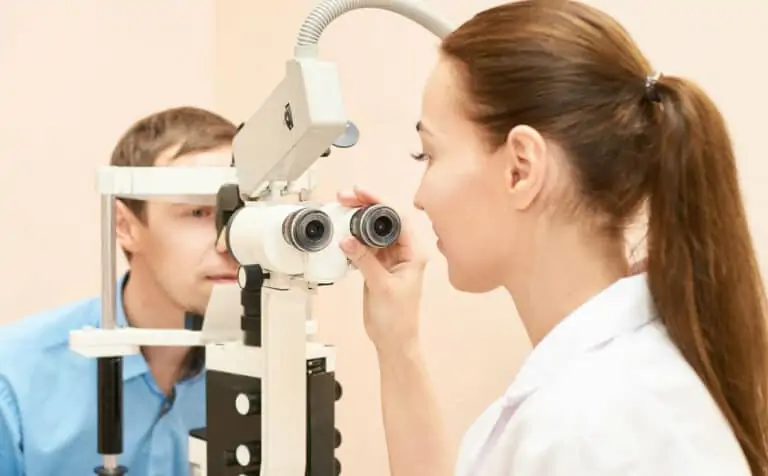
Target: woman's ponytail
[702, 268]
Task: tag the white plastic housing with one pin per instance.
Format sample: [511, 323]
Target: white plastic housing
[93, 342]
[255, 236]
[269, 148]
[285, 310]
[236, 358]
[198, 456]
[327, 266]
[341, 216]
[176, 184]
[331, 264]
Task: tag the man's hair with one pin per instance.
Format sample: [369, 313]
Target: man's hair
[187, 129]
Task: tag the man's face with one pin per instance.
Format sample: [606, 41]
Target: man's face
[177, 243]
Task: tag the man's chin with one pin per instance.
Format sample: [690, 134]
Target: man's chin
[204, 293]
[199, 305]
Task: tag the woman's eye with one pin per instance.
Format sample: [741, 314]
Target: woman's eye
[421, 156]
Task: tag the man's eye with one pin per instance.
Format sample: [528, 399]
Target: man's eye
[200, 212]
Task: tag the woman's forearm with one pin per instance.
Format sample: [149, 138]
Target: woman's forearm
[413, 426]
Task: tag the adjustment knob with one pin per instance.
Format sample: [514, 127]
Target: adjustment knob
[247, 454]
[247, 404]
[336, 438]
[338, 391]
[251, 278]
[336, 467]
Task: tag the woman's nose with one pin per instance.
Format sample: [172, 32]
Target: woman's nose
[417, 202]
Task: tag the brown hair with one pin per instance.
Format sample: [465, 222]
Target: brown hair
[574, 74]
[187, 129]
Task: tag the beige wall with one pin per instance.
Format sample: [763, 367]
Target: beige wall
[384, 60]
[61, 112]
[73, 76]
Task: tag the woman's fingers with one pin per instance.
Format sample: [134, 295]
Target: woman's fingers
[366, 197]
[404, 249]
[349, 199]
[365, 260]
[357, 197]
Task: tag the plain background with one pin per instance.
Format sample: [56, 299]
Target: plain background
[75, 74]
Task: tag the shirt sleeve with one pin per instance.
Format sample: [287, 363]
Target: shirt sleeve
[11, 461]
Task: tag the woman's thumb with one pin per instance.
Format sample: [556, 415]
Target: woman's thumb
[364, 260]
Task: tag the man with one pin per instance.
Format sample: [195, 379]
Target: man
[48, 394]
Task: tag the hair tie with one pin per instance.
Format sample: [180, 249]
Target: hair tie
[651, 93]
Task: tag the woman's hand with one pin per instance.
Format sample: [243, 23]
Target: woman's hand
[393, 282]
[413, 427]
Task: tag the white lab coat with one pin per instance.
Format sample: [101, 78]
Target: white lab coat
[606, 393]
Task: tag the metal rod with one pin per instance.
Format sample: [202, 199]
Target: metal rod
[110, 369]
[110, 461]
[108, 256]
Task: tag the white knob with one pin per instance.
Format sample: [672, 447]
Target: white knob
[243, 455]
[243, 404]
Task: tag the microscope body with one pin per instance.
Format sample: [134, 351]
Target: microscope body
[302, 239]
[286, 252]
[233, 439]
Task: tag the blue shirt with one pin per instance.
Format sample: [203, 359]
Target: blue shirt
[48, 403]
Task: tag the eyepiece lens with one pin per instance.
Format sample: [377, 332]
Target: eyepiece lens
[383, 225]
[315, 230]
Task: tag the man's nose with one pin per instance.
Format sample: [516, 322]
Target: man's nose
[221, 242]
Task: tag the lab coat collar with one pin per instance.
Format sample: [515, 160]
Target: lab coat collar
[621, 308]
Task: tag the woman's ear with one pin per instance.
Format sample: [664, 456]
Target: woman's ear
[526, 165]
[127, 228]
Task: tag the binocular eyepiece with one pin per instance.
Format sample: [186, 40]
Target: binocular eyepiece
[376, 226]
[308, 229]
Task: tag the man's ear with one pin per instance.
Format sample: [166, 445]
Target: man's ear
[526, 165]
[127, 228]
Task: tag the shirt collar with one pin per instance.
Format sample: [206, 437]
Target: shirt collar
[620, 309]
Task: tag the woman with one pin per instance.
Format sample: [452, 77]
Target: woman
[545, 133]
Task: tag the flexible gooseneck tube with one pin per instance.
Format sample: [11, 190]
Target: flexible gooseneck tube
[328, 10]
